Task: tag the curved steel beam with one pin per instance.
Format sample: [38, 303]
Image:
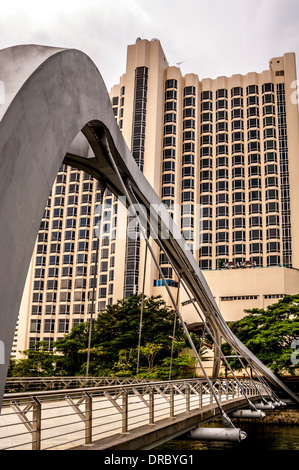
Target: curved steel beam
[51, 97]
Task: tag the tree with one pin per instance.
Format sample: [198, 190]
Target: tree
[71, 349]
[150, 350]
[115, 343]
[117, 329]
[40, 362]
[270, 334]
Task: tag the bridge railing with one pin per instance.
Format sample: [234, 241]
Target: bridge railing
[64, 419]
[28, 384]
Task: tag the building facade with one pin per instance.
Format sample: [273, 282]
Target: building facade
[223, 155]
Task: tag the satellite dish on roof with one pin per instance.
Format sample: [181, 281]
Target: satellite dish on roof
[154, 39]
[138, 39]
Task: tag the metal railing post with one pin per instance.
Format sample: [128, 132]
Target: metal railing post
[36, 424]
[200, 395]
[187, 398]
[220, 389]
[171, 402]
[88, 419]
[151, 406]
[124, 411]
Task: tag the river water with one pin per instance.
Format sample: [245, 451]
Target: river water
[260, 437]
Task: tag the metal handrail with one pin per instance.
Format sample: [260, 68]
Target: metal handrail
[66, 418]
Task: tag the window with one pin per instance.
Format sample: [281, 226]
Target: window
[255, 235]
[239, 210]
[254, 171]
[239, 222]
[255, 221]
[49, 326]
[171, 83]
[271, 194]
[170, 95]
[63, 326]
[205, 264]
[222, 250]
[35, 326]
[238, 184]
[271, 181]
[272, 220]
[268, 98]
[237, 113]
[256, 248]
[272, 233]
[221, 115]
[268, 109]
[252, 100]
[251, 89]
[221, 237]
[50, 309]
[222, 173]
[238, 172]
[237, 91]
[168, 178]
[272, 207]
[237, 102]
[273, 247]
[253, 123]
[238, 197]
[273, 260]
[188, 171]
[206, 106]
[222, 211]
[206, 251]
[222, 198]
[255, 208]
[221, 224]
[238, 236]
[254, 158]
[190, 101]
[206, 95]
[239, 249]
[221, 93]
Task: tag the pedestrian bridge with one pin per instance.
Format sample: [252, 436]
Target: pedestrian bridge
[129, 415]
[57, 110]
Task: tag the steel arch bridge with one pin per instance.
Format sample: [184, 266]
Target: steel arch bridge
[55, 108]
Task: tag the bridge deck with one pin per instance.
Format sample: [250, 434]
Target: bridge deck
[151, 435]
[120, 417]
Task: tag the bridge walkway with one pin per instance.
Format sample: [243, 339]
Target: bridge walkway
[129, 416]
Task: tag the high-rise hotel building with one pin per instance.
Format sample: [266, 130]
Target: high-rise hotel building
[223, 155]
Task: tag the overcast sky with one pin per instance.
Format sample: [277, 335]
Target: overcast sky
[210, 38]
